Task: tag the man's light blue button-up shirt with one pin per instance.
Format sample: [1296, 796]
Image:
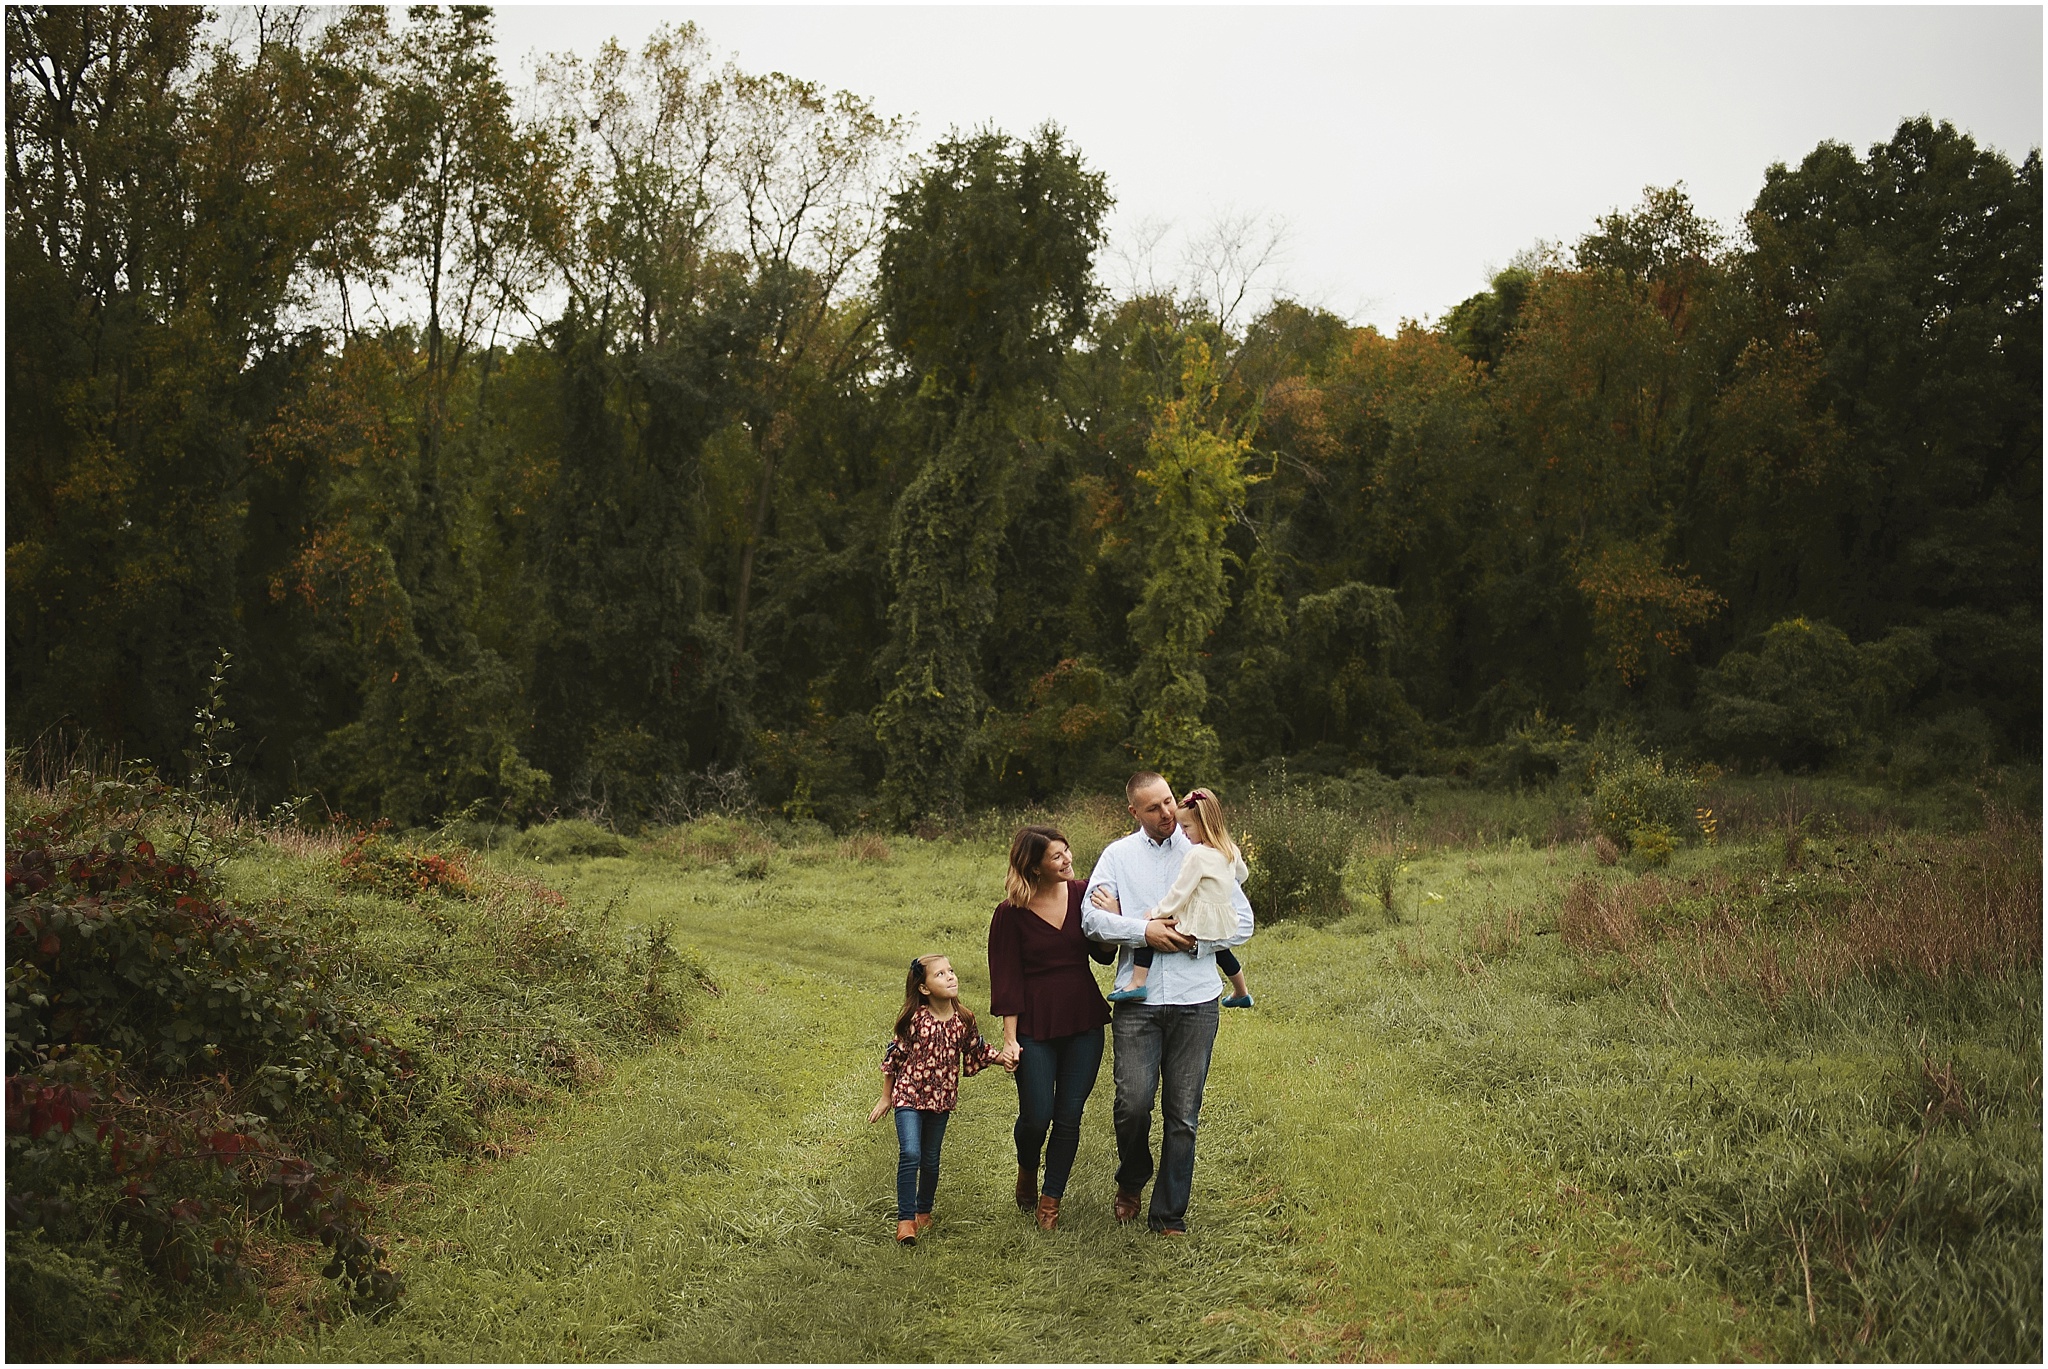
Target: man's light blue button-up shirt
[1140, 872]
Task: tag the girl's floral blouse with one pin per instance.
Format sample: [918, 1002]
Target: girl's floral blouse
[926, 1074]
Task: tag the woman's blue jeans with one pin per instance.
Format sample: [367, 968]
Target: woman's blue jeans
[918, 1138]
[1054, 1079]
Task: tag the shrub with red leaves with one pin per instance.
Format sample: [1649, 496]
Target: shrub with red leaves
[376, 861]
[171, 1062]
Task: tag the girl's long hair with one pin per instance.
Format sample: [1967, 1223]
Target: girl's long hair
[1208, 811]
[913, 1000]
[1027, 862]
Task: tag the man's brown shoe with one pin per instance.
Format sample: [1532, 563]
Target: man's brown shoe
[1048, 1212]
[1027, 1188]
[1127, 1205]
[921, 1221]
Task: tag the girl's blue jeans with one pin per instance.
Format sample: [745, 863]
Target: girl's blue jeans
[918, 1138]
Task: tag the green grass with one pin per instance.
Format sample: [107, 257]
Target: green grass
[1444, 1137]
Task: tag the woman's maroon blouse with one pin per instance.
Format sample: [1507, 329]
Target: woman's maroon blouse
[1039, 973]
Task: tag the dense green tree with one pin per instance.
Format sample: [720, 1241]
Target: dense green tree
[1481, 325]
[167, 197]
[1917, 270]
[645, 449]
[986, 276]
[442, 715]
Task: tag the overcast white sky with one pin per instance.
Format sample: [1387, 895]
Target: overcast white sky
[1407, 150]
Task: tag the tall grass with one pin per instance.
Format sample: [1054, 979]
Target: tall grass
[1940, 909]
[1511, 1125]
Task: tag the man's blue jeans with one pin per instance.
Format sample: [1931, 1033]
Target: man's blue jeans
[1054, 1079]
[1163, 1050]
[918, 1138]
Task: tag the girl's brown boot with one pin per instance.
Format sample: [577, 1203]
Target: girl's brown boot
[1048, 1212]
[1027, 1187]
[906, 1233]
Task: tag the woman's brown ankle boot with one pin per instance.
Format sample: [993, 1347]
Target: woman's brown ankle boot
[906, 1233]
[1027, 1187]
[1048, 1212]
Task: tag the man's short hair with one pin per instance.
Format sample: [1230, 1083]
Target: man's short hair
[1139, 781]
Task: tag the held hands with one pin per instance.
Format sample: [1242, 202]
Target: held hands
[1009, 1055]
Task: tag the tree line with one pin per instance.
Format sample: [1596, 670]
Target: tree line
[658, 428]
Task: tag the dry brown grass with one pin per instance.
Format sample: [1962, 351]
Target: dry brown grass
[325, 843]
[1942, 909]
[867, 846]
[1599, 918]
[1497, 936]
[1749, 811]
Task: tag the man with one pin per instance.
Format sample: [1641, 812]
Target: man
[1163, 1043]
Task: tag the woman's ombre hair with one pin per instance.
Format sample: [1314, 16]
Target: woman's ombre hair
[1027, 862]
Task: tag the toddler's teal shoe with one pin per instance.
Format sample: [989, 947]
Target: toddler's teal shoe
[1236, 1000]
[1136, 995]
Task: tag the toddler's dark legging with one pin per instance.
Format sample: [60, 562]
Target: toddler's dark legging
[918, 1138]
[1225, 961]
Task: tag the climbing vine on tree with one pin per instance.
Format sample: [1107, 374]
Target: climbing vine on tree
[1193, 484]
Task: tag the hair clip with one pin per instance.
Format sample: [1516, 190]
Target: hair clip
[917, 966]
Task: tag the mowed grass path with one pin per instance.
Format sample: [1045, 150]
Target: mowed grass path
[722, 1196]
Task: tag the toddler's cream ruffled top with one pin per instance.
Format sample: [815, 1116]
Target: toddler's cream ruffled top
[1200, 899]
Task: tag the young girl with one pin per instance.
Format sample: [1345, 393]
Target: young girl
[1200, 898]
[935, 1039]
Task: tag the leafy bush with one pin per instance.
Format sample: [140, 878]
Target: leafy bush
[1297, 851]
[135, 995]
[1635, 793]
[1652, 846]
[188, 1074]
[719, 841]
[1536, 749]
[1360, 792]
[556, 843]
[1807, 692]
[1065, 736]
[816, 771]
[1382, 869]
[400, 870]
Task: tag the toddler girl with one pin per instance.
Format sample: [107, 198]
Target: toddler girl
[1199, 901]
[935, 1038]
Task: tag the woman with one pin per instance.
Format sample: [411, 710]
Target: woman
[1053, 1014]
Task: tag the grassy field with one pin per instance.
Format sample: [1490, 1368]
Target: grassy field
[1542, 1109]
